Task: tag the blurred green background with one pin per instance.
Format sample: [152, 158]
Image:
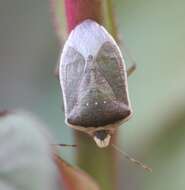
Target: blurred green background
[154, 32]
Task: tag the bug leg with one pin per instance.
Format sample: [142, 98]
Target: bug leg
[66, 145]
[56, 70]
[131, 69]
[56, 74]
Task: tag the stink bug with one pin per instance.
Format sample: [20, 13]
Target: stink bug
[93, 79]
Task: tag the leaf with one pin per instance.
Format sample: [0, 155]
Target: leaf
[25, 154]
[75, 178]
[29, 162]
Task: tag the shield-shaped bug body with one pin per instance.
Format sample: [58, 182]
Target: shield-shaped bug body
[94, 82]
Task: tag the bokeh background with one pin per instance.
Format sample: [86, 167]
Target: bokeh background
[154, 33]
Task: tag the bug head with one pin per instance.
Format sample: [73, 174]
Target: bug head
[102, 138]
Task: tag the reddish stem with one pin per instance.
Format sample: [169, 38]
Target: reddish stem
[79, 10]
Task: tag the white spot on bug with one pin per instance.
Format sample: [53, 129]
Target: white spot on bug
[96, 103]
[104, 102]
[102, 143]
[87, 104]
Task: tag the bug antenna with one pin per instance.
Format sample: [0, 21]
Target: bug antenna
[128, 157]
[127, 53]
[66, 145]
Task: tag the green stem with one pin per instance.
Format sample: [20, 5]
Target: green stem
[99, 163]
[109, 18]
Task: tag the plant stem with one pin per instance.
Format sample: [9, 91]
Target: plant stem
[99, 163]
[79, 10]
[109, 19]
